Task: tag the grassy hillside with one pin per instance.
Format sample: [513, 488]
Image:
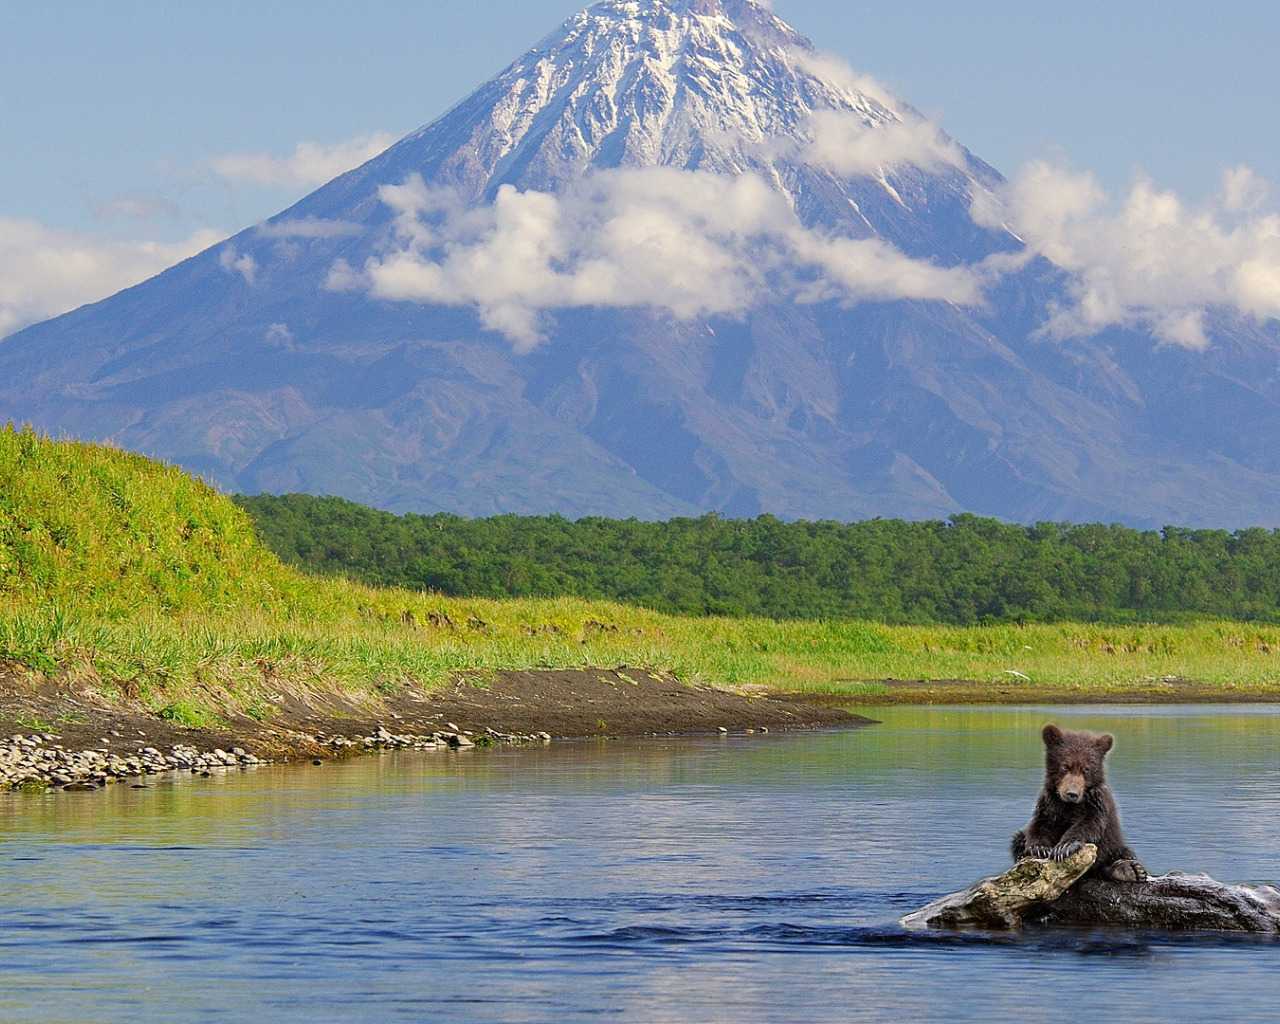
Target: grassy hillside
[141, 582]
[84, 523]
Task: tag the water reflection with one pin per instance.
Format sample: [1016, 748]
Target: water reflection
[741, 878]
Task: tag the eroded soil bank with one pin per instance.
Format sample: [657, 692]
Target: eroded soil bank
[587, 702]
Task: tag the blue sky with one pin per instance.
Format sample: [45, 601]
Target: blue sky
[135, 132]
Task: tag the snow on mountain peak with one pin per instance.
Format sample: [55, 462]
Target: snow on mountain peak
[688, 156]
[717, 85]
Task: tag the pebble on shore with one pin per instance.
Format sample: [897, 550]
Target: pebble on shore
[38, 761]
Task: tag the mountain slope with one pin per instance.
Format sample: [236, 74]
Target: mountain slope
[671, 260]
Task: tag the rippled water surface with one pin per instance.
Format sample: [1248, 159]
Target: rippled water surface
[750, 878]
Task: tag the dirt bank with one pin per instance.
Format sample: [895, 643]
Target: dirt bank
[622, 702]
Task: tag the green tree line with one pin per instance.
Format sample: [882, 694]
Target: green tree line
[962, 571]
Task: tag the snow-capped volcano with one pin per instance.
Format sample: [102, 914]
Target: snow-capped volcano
[672, 259]
[724, 87]
[687, 158]
[720, 87]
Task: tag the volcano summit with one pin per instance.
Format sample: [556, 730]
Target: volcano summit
[673, 259]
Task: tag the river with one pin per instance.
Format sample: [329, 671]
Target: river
[744, 878]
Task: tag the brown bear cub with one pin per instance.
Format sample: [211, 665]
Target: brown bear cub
[1076, 807]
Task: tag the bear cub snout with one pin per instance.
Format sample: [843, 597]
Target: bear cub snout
[1076, 807]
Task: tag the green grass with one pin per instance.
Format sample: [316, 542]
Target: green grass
[186, 665]
[146, 584]
[33, 723]
[97, 525]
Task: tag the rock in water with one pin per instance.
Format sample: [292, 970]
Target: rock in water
[1048, 892]
[1006, 901]
[1173, 902]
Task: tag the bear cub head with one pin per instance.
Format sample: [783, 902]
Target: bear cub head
[1073, 763]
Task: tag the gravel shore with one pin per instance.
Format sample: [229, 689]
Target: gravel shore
[39, 761]
[57, 733]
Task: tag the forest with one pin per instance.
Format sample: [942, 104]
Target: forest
[965, 570]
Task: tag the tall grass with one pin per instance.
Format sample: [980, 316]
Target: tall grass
[368, 641]
[148, 585]
[95, 524]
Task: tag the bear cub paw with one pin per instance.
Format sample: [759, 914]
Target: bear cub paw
[1064, 850]
[1126, 871]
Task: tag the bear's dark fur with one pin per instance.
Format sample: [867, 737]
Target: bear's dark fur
[1076, 807]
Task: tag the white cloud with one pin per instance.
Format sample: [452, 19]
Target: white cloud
[235, 262]
[279, 336]
[45, 272]
[861, 269]
[132, 207]
[851, 85]
[847, 144]
[310, 164]
[688, 243]
[309, 227]
[342, 277]
[1150, 259]
[860, 128]
[1242, 190]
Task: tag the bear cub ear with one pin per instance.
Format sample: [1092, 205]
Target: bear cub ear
[1051, 734]
[1104, 742]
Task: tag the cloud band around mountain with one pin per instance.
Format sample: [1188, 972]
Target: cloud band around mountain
[1150, 260]
[695, 244]
[688, 243]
